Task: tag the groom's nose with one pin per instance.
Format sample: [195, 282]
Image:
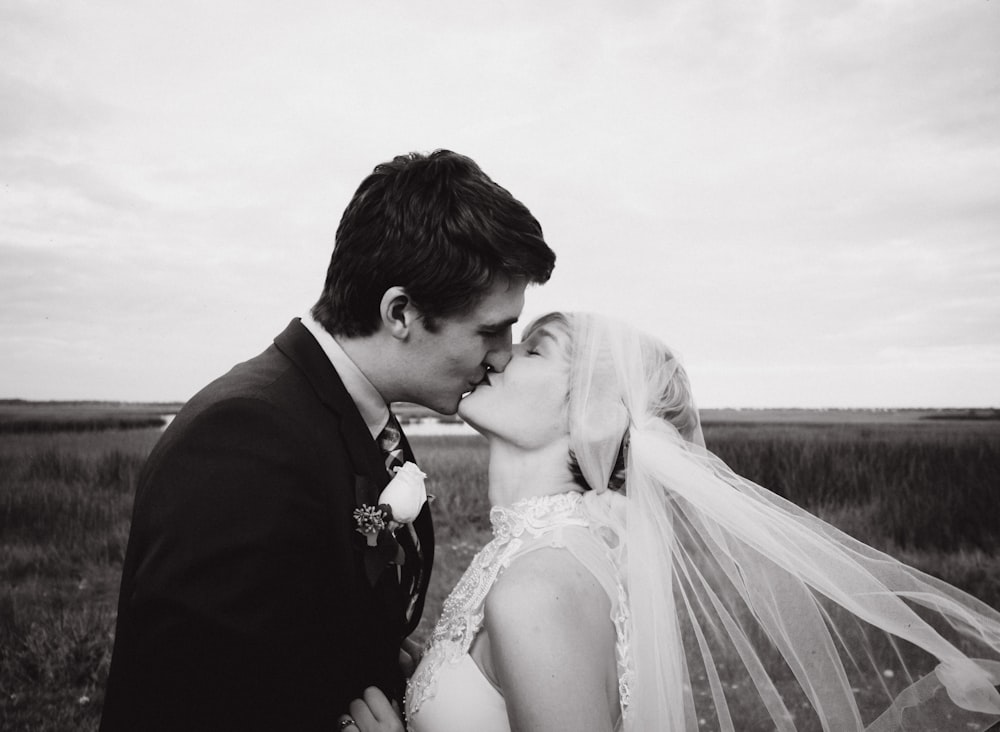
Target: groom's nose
[497, 360]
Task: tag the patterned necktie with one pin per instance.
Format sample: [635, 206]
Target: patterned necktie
[389, 440]
[411, 572]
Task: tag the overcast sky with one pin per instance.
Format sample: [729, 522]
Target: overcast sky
[803, 198]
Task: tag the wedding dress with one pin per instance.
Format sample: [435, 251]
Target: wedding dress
[449, 692]
[734, 609]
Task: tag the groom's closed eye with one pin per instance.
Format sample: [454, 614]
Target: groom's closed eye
[499, 329]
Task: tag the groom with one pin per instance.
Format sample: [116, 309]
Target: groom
[249, 599]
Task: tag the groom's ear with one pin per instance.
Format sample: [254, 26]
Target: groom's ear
[398, 312]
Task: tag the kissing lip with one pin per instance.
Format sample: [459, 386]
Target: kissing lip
[485, 381]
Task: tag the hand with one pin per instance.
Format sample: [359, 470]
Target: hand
[373, 713]
[410, 653]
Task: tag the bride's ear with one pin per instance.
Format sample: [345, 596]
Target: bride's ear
[397, 312]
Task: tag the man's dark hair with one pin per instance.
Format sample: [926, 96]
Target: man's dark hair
[439, 227]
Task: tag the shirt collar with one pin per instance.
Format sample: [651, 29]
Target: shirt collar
[374, 410]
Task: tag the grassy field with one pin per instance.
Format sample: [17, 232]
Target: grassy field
[925, 490]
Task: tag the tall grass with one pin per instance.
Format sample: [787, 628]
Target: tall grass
[456, 477]
[926, 492]
[65, 505]
[74, 509]
[926, 486]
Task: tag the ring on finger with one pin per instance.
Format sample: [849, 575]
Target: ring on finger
[347, 722]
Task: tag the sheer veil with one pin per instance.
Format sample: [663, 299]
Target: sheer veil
[744, 611]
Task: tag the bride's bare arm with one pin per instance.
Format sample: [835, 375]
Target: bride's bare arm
[552, 645]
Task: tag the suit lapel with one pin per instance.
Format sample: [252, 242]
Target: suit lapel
[370, 476]
[298, 344]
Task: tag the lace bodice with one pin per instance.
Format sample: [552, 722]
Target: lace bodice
[574, 521]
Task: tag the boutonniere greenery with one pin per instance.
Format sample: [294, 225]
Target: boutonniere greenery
[398, 504]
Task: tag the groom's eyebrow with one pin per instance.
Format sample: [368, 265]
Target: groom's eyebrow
[498, 327]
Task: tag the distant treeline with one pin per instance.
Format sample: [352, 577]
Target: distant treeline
[86, 424]
[977, 414]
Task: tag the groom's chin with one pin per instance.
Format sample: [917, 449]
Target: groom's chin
[450, 408]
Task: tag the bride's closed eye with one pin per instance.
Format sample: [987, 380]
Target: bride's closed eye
[536, 347]
[530, 348]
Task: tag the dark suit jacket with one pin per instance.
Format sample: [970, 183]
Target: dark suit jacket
[244, 602]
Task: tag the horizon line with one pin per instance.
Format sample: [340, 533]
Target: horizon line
[181, 402]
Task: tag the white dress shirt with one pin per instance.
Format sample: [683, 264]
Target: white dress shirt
[374, 410]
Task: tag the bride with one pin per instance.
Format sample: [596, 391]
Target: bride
[634, 582]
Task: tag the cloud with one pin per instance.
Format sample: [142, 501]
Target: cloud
[785, 192]
[78, 180]
[35, 110]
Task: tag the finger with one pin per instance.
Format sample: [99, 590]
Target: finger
[363, 717]
[379, 704]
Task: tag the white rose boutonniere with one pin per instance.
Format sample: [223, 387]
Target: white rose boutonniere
[405, 495]
[398, 504]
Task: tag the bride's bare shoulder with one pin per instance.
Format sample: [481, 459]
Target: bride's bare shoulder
[552, 644]
[546, 584]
